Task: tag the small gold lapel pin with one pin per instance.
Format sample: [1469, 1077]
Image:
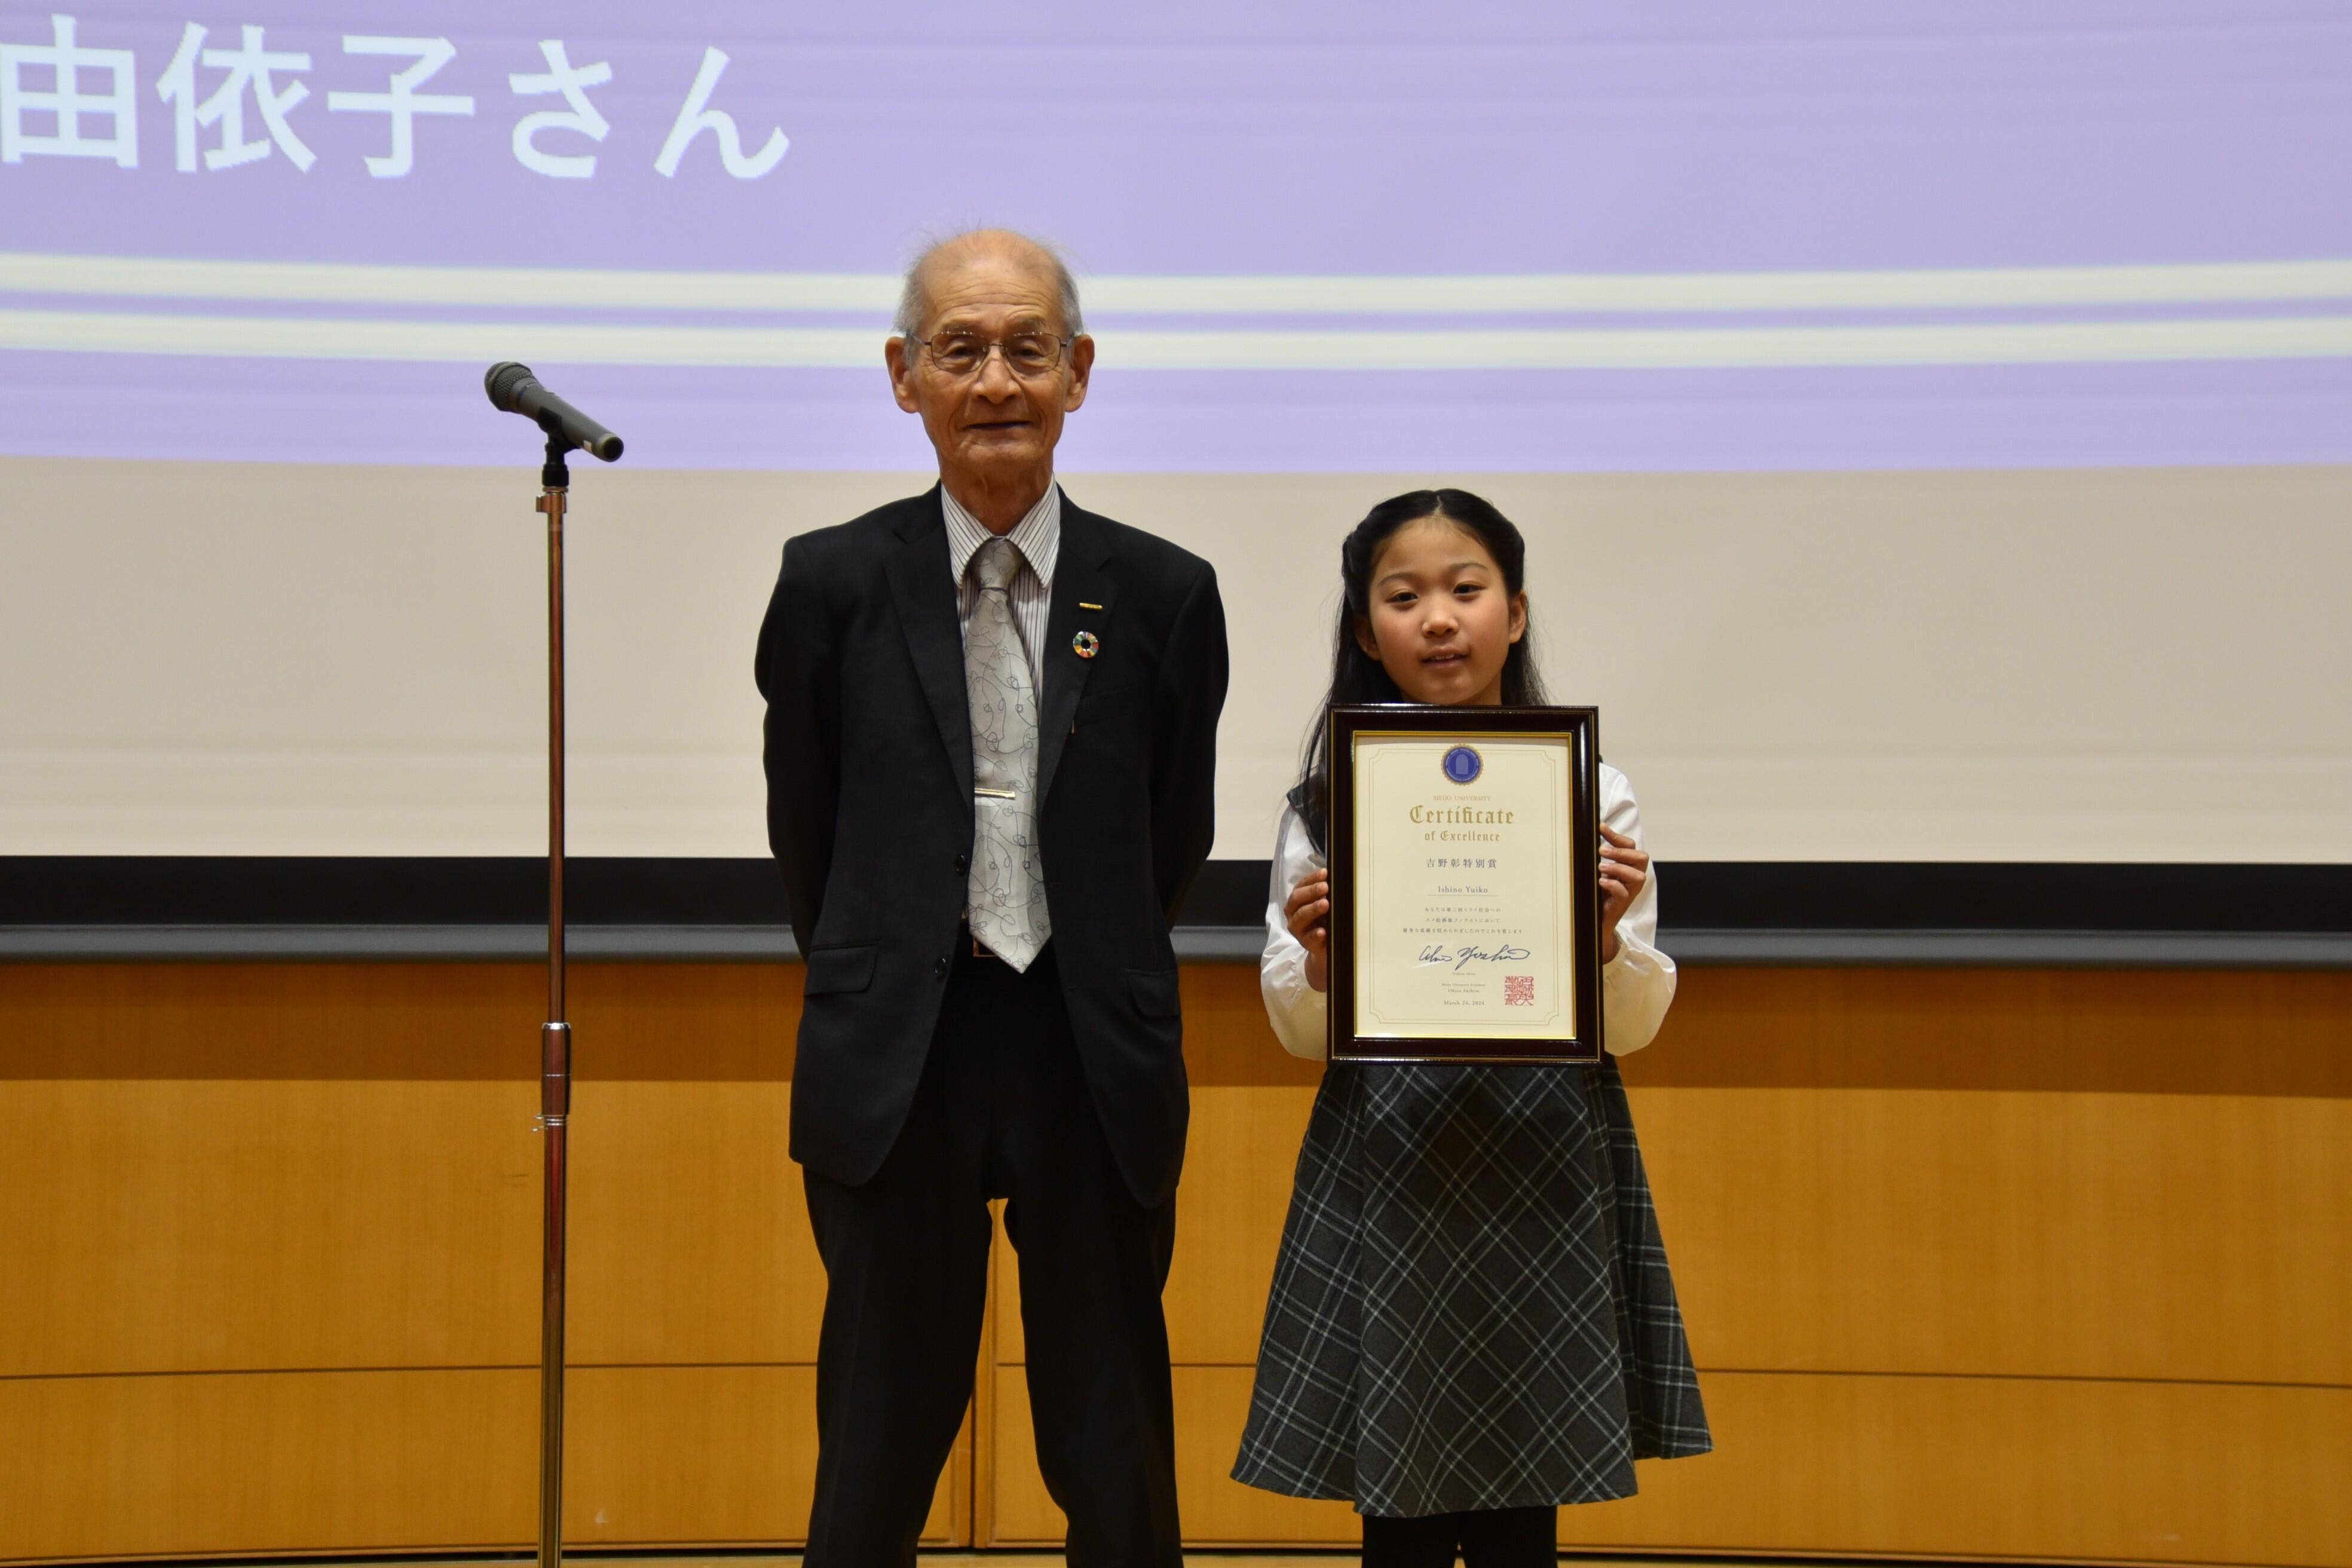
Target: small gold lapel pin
[1084, 606]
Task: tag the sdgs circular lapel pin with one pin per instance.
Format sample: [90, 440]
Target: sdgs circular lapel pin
[1086, 644]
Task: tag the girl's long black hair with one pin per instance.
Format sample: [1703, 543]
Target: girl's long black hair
[1356, 676]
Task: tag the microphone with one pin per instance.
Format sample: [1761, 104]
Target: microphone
[515, 390]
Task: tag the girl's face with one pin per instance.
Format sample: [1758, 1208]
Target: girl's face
[1441, 623]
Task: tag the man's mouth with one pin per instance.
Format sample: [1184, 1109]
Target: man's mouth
[998, 425]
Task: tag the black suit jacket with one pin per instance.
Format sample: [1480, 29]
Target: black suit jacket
[869, 812]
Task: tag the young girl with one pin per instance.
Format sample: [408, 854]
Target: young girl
[1471, 1320]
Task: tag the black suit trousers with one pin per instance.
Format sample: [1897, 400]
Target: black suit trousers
[1002, 1111]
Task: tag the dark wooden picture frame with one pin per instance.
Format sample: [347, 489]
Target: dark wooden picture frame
[1581, 727]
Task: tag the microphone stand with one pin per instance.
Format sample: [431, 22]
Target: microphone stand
[555, 1034]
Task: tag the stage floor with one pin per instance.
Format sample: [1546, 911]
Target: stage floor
[944, 1559]
[991, 1560]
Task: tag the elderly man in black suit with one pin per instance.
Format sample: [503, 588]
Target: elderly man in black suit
[990, 750]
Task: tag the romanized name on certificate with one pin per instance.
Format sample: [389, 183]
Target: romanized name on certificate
[1464, 923]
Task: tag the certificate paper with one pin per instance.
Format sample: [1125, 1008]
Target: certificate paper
[1466, 890]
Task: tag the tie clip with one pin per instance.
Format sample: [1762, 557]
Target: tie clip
[997, 794]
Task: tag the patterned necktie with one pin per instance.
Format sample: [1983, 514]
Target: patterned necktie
[1008, 884]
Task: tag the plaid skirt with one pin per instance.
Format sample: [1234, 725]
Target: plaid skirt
[1472, 1307]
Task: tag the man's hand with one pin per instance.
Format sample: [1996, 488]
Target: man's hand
[1623, 871]
[1309, 911]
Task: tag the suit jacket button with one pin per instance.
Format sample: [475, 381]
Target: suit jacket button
[940, 969]
[963, 863]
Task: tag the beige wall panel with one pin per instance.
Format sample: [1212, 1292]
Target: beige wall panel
[358, 1022]
[2100, 1031]
[243, 1224]
[691, 1240]
[228, 1128]
[713, 1456]
[1237, 1192]
[180, 1225]
[2023, 1235]
[255, 659]
[1998, 1467]
[1212, 1403]
[247, 1166]
[434, 1458]
[2072, 1175]
[2186, 1032]
[670, 1022]
[280, 1462]
[1226, 1037]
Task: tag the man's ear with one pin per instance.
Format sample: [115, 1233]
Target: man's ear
[1082, 364]
[902, 374]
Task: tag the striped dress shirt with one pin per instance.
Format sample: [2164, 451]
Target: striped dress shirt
[1038, 538]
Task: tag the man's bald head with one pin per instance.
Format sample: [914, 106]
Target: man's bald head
[990, 350]
[994, 245]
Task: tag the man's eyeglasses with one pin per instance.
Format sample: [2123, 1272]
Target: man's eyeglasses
[1028, 355]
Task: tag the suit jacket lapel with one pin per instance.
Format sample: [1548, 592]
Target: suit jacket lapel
[1080, 579]
[925, 598]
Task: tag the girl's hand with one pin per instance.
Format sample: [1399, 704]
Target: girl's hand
[1623, 871]
[1308, 911]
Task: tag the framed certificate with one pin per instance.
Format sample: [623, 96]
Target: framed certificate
[1465, 895]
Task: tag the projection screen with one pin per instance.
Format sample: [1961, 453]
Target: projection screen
[1933, 425]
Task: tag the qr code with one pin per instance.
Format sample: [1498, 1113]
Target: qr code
[1519, 990]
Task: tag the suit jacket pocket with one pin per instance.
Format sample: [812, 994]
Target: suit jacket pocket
[832, 969]
[1153, 991]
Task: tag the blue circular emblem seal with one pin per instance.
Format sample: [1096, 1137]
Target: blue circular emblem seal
[1464, 764]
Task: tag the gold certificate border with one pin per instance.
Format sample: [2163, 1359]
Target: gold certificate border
[1559, 753]
[1581, 727]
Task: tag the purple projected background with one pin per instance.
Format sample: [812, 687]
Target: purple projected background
[2199, 143]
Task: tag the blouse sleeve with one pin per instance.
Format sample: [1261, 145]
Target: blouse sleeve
[1294, 1008]
[1638, 984]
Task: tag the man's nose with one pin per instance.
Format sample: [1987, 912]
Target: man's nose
[996, 380]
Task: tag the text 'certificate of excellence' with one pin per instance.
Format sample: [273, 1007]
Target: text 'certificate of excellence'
[1465, 884]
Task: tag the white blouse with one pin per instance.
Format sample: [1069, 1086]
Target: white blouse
[1636, 987]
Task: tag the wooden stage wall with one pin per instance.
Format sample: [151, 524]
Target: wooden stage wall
[2046, 1264]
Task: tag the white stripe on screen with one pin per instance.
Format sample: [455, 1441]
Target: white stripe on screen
[567, 342]
[874, 294]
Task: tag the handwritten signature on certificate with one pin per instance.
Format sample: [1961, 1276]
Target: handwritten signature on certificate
[1461, 958]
